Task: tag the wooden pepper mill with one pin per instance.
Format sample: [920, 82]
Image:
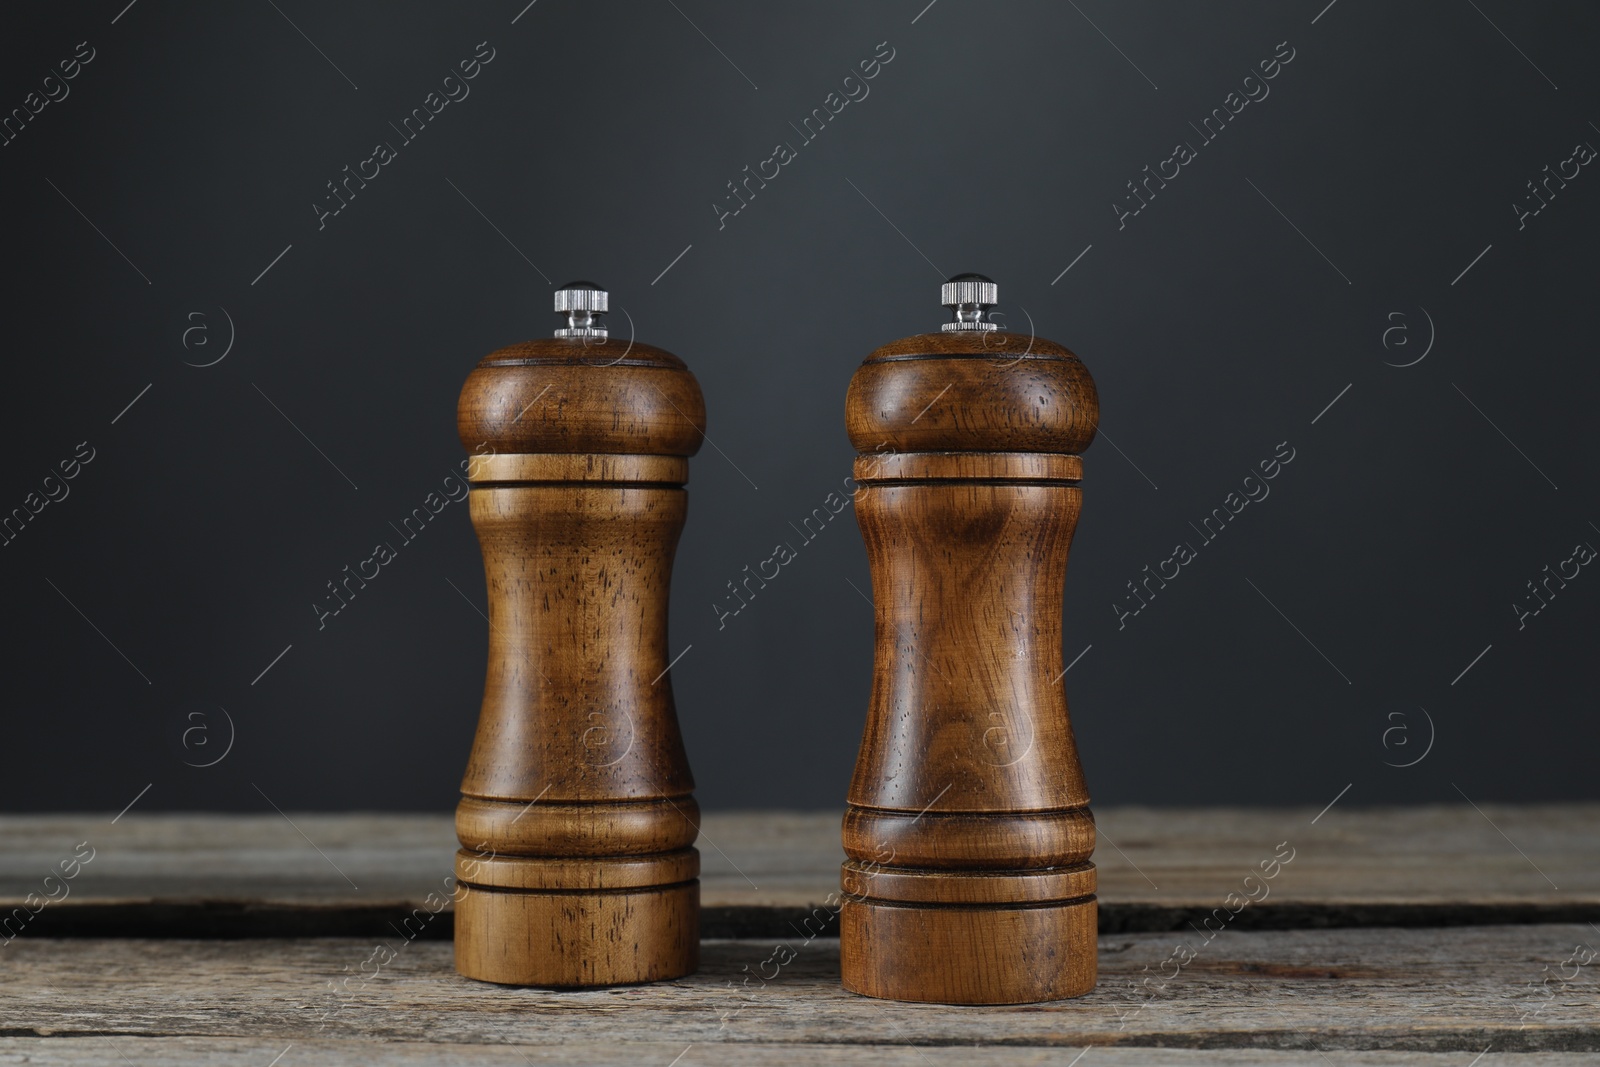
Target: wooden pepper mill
[576, 815]
[968, 832]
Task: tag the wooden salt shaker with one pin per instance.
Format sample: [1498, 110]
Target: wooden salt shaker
[576, 815]
[968, 832]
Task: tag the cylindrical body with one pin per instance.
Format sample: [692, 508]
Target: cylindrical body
[576, 819]
[968, 832]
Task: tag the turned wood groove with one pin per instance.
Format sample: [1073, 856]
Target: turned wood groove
[576, 819]
[968, 831]
[565, 467]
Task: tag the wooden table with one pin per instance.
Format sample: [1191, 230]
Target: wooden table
[1405, 935]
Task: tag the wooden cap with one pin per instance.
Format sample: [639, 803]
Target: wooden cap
[972, 391]
[581, 395]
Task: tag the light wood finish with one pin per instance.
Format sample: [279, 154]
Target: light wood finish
[967, 791]
[365, 1051]
[589, 467]
[1433, 994]
[576, 818]
[256, 876]
[1273, 997]
[966, 466]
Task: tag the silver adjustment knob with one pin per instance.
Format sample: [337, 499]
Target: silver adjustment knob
[969, 296]
[583, 303]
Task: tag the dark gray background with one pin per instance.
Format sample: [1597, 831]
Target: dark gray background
[996, 140]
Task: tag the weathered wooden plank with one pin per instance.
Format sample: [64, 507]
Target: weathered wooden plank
[120, 1051]
[171, 875]
[1421, 990]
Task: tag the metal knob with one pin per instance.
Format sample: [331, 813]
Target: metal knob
[583, 303]
[970, 296]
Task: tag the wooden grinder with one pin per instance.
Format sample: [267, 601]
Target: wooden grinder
[968, 832]
[576, 815]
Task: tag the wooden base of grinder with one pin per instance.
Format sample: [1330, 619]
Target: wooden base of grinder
[604, 934]
[965, 954]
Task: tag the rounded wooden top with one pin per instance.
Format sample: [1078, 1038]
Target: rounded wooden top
[581, 395]
[970, 391]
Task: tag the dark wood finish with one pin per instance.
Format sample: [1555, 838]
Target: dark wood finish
[968, 835]
[576, 820]
[972, 392]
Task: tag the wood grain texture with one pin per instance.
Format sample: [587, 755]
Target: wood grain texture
[1457, 991]
[589, 937]
[576, 705]
[912, 886]
[363, 1052]
[968, 771]
[581, 396]
[583, 467]
[211, 875]
[967, 466]
[972, 392]
[956, 950]
[623, 828]
[576, 817]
